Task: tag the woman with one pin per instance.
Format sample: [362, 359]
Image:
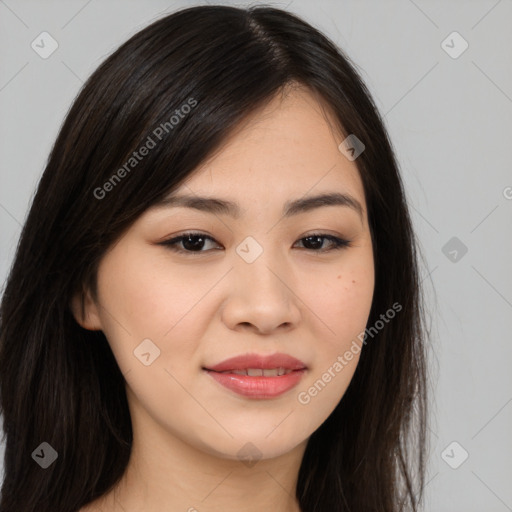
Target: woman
[215, 299]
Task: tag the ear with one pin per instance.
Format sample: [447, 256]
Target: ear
[85, 311]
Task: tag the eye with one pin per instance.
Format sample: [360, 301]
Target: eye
[195, 242]
[317, 239]
[191, 242]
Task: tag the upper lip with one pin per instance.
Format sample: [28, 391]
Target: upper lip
[259, 361]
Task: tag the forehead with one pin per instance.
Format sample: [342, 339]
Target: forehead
[286, 149]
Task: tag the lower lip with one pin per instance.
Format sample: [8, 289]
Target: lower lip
[258, 387]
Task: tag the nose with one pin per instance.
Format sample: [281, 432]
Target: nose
[260, 296]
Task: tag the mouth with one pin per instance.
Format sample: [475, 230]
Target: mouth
[260, 372]
[255, 363]
[258, 376]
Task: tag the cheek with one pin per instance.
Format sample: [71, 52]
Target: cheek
[143, 294]
[355, 302]
[344, 306]
[143, 299]
[342, 300]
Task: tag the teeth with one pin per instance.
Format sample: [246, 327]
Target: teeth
[259, 372]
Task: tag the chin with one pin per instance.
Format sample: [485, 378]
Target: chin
[251, 449]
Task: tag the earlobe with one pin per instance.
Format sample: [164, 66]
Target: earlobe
[85, 311]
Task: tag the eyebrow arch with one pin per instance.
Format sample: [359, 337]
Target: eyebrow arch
[225, 207]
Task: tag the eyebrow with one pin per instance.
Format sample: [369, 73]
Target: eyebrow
[220, 206]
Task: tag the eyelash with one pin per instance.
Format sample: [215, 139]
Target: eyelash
[172, 244]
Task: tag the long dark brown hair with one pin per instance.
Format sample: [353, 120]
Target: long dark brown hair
[60, 383]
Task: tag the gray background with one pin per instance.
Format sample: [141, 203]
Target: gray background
[450, 122]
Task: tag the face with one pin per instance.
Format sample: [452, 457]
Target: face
[266, 279]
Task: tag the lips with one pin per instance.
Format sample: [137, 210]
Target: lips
[257, 376]
[259, 362]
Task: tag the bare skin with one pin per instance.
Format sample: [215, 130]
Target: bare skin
[309, 301]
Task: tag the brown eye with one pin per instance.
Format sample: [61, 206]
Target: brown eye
[315, 242]
[190, 242]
